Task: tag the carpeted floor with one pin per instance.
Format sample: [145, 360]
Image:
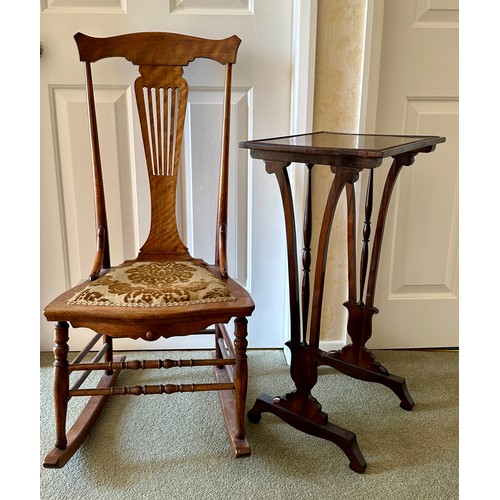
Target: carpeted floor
[175, 447]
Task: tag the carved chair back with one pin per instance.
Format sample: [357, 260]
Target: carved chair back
[161, 93]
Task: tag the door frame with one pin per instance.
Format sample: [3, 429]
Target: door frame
[374, 28]
[301, 120]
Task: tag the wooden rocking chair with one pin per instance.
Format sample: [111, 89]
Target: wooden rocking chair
[164, 291]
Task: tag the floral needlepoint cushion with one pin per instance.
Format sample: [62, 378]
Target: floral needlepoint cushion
[154, 284]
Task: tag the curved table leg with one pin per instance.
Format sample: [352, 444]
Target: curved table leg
[395, 383]
[355, 359]
[301, 410]
[343, 438]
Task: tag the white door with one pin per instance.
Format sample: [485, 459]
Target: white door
[416, 76]
[261, 106]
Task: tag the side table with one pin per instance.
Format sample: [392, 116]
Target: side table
[347, 155]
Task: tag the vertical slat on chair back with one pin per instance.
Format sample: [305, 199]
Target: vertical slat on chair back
[161, 96]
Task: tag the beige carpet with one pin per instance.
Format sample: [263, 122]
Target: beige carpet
[175, 446]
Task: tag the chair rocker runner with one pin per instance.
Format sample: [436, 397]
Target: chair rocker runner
[164, 291]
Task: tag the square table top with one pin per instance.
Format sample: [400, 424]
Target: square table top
[374, 146]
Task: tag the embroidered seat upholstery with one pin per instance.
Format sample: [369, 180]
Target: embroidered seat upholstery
[154, 284]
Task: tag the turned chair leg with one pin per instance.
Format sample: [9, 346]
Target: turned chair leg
[240, 374]
[61, 382]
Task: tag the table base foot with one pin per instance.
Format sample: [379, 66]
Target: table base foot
[343, 438]
[394, 382]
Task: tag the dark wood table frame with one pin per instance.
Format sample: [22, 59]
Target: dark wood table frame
[347, 155]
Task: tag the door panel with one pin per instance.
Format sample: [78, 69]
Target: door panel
[427, 209]
[261, 106]
[200, 179]
[75, 176]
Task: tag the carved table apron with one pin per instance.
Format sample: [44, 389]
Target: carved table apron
[347, 155]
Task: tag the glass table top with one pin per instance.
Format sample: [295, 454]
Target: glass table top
[356, 144]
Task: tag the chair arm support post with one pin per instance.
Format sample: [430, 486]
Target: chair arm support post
[102, 259]
[99, 254]
[221, 246]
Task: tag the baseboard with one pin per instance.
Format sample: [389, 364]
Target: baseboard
[331, 345]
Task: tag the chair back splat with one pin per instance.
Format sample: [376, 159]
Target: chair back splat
[164, 291]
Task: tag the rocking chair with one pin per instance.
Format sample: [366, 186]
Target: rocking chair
[164, 291]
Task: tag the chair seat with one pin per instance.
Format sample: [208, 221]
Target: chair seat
[143, 294]
[154, 284]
